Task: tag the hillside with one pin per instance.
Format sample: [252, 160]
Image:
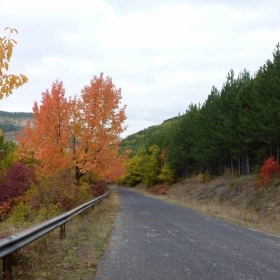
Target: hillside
[12, 123]
[234, 131]
[158, 134]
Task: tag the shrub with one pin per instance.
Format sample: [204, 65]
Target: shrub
[269, 169]
[204, 177]
[16, 181]
[5, 208]
[20, 214]
[161, 189]
[167, 175]
[98, 188]
[59, 190]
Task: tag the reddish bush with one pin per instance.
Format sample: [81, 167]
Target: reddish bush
[159, 189]
[270, 168]
[16, 181]
[98, 188]
[5, 208]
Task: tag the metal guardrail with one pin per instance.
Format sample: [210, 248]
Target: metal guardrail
[14, 242]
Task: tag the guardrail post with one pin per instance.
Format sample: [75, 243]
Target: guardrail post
[7, 267]
[62, 231]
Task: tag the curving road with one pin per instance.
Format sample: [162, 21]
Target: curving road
[154, 240]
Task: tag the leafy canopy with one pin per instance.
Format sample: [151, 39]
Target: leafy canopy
[8, 82]
[81, 134]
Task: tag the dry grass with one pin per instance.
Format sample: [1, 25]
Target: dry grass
[76, 256]
[235, 199]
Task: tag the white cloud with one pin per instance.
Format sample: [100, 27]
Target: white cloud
[61, 7]
[163, 54]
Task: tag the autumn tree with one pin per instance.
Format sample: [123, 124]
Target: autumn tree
[135, 168]
[144, 167]
[152, 166]
[96, 124]
[46, 138]
[8, 82]
[82, 134]
[166, 173]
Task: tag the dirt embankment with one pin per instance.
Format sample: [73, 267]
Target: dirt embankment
[234, 199]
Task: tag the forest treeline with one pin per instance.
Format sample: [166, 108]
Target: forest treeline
[235, 130]
[7, 127]
[16, 114]
[13, 121]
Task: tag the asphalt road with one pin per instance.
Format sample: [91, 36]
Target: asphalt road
[154, 240]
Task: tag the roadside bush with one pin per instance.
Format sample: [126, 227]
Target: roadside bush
[98, 188]
[269, 169]
[5, 208]
[60, 191]
[161, 189]
[16, 181]
[20, 214]
[205, 177]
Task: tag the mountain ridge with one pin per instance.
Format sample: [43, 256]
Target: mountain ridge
[12, 123]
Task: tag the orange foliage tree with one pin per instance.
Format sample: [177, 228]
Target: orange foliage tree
[96, 124]
[46, 138]
[80, 133]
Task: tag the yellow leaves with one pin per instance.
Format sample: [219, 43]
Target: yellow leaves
[10, 47]
[5, 65]
[23, 78]
[11, 30]
[8, 82]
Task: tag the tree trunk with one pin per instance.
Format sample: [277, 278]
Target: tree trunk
[246, 163]
[78, 175]
[277, 152]
[239, 167]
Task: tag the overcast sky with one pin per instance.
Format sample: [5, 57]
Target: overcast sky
[163, 54]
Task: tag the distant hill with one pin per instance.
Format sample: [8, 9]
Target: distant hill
[156, 134]
[12, 123]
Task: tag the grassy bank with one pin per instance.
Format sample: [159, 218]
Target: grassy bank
[76, 256]
[235, 199]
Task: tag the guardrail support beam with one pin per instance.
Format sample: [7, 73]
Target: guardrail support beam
[62, 231]
[7, 267]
